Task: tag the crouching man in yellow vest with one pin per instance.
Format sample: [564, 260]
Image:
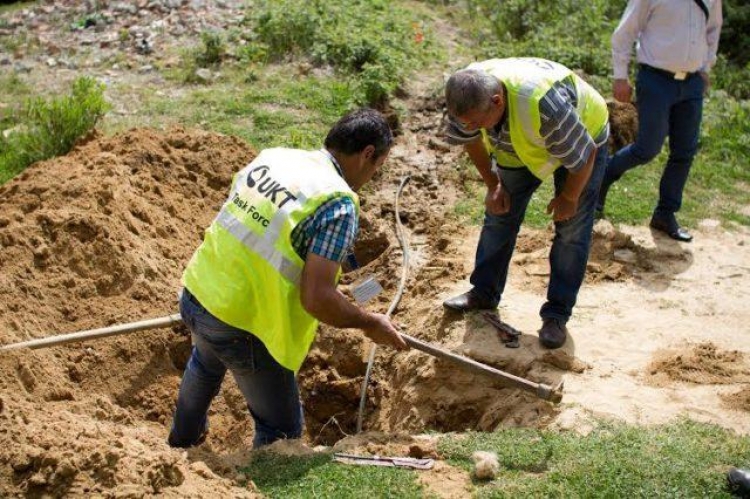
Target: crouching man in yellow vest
[522, 120]
[266, 273]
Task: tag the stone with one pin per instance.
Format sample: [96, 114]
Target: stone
[625, 256]
[204, 75]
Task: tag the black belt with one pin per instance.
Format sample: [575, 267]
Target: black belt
[682, 75]
[191, 297]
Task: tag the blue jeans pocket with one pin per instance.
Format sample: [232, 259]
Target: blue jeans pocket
[233, 348]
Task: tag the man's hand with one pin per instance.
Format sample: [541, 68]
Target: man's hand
[562, 208]
[383, 333]
[706, 82]
[497, 200]
[622, 90]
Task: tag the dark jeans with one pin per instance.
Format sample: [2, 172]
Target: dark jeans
[666, 108]
[570, 247]
[270, 390]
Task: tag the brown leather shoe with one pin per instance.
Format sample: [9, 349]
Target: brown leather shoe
[552, 334]
[738, 481]
[468, 301]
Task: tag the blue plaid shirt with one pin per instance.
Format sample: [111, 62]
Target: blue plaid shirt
[330, 231]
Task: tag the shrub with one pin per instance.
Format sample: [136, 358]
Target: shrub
[570, 32]
[49, 128]
[374, 40]
[212, 50]
[735, 42]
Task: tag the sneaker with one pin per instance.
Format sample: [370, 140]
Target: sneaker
[552, 334]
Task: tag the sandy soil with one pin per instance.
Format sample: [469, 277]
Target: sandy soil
[101, 236]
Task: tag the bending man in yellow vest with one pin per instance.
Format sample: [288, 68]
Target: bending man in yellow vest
[266, 273]
[522, 120]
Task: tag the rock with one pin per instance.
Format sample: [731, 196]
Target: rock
[625, 256]
[204, 75]
[125, 7]
[486, 465]
[709, 225]
[144, 46]
[51, 62]
[23, 67]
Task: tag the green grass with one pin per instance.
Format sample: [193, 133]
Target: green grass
[50, 127]
[684, 459]
[271, 110]
[319, 476]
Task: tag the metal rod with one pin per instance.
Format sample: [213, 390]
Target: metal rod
[92, 334]
[543, 391]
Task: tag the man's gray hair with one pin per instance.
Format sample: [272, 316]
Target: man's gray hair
[470, 89]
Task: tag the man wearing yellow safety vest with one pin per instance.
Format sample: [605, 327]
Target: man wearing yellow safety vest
[266, 273]
[522, 120]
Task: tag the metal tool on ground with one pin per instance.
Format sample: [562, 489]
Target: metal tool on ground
[507, 333]
[398, 462]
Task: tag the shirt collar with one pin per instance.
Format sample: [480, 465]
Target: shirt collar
[333, 160]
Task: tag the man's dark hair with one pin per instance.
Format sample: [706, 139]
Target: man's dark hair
[359, 129]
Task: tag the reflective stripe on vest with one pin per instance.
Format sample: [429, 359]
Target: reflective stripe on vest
[246, 272]
[527, 81]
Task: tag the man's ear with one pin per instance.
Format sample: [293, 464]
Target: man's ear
[369, 152]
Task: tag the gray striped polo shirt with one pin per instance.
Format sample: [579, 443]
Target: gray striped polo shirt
[565, 136]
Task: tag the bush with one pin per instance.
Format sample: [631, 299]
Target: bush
[735, 42]
[372, 39]
[570, 32]
[212, 50]
[49, 128]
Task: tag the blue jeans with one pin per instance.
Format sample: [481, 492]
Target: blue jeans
[666, 108]
[570, 247]
[270, 389]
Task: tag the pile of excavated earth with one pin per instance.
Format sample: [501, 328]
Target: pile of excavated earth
[100, 237]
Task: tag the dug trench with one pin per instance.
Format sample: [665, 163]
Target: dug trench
[100, 237]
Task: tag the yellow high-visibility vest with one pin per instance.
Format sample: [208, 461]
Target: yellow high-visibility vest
[246, 272]
[527, 80]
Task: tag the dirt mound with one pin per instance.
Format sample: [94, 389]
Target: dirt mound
[623, 123]
[738, 401]
[701, 364]
[97, 237]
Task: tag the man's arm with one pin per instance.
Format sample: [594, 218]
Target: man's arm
[567, 139]
[623, 38]
[565, 205]
[713, 30]
[497, 200]
[321, 298]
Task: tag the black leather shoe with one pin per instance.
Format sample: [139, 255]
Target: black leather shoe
[553, 334]
[672, 229]
[468, 301]
[738, 481]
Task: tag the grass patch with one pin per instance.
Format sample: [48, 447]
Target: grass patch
[272, 110]
[377, 41]
[318, 476]
[684, 459]
[49, 128]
